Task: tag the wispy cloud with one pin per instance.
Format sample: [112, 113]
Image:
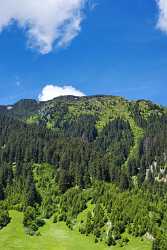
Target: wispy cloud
[46, 22]
[51, 91]
[162, 21]
[18, 83]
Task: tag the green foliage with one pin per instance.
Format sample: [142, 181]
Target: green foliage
[59, 156]
[110, 240]
[45, 182]
[160, 243]
[31, 221]
[54, 237]
[138, 212]
[4, 218]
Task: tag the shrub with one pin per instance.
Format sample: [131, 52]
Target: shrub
[4, 218]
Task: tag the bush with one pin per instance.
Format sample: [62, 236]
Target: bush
[55, 218]
[82, 230]
[4, 218]
[62, 217]
[31, 222]
[96, 240]
[40, 222]
[29, 216]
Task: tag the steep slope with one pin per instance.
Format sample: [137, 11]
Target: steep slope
[122, 133]
[59, 156]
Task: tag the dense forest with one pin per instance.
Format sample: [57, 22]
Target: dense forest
[98, 163]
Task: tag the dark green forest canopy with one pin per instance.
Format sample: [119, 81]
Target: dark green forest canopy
[52, 153]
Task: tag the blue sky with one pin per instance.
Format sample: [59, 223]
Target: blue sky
[118, 51]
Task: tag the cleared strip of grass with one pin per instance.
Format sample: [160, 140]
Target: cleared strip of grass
[54, 237]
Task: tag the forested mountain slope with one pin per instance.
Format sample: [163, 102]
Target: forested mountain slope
[101, 156]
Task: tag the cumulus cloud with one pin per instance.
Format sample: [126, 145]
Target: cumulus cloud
[162, 22]
[45, 21]
[51, 91]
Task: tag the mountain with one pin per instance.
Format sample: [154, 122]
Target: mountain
[100, 158]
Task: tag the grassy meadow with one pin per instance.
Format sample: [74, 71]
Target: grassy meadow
[54, 237]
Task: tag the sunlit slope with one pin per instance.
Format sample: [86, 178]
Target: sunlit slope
[54, 237]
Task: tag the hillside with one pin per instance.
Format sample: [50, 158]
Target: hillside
[54, 237]
[97, 163]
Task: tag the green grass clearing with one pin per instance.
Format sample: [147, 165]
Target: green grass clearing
[55, 237]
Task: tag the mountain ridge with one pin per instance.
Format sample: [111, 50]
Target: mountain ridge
[82, 97]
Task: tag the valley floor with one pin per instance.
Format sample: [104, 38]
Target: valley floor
[54, 237]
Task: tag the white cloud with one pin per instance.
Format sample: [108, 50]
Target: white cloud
[45, 21]
[51, 91]
[162, 22]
